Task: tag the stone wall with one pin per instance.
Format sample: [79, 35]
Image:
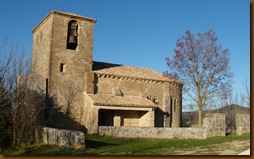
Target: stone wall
[138, 132]
[61, 137]
[41, 49]
[175, 90]
[213, 125]
[32, 82]
[242, 123]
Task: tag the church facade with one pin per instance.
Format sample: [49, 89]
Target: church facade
[89, 93]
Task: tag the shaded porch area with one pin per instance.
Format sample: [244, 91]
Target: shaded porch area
[133, 118]
[112, 110]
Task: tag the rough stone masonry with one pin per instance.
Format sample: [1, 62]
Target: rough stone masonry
[242, 123]
[213, 125]
[86, 94]
[61, 137]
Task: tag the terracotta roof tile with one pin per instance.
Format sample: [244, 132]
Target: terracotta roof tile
[124, 101]
[65, 14]
[73, 15]
[127, 71]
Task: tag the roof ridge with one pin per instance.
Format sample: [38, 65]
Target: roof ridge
[106, 62]
[98, 71]
[107, 70]
[63, 13]
[73, 14]
[129, 66]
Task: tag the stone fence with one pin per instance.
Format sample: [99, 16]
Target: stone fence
[61, 137]
[242, 123]
[144, 132]
[214, 125]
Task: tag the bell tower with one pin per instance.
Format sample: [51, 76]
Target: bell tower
[62, 38]
[62, 53]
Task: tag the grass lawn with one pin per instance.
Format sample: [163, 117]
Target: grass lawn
[103, 145]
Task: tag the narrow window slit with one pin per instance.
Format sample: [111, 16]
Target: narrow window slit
[62, 67]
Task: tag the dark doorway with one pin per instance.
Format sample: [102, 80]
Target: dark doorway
[106, 117]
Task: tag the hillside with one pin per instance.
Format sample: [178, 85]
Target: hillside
[191, 118]
[233, 107]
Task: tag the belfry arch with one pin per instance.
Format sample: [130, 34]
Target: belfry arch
[72, 36]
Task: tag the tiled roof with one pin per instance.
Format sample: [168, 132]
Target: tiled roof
[63, 13]
[73, 15]
[127, 71]
[122, 101]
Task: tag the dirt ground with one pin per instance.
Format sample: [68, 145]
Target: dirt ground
[227, 148]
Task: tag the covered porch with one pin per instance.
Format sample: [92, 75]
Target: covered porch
[124, 116]
[112, 110]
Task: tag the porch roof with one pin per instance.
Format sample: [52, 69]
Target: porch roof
[121, 101]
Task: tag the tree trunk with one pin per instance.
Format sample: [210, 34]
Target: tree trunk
[200, 108]
[14, 128]
[199, 117]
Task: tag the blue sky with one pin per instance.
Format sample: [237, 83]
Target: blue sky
[141, 32]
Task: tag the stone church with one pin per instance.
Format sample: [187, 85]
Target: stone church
[89, 93]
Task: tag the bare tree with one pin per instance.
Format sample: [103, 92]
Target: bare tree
[5, 119]
[203, 66]
[246, 95]
[6, 58]
[12, 63]
[28, 114]
[24, 104]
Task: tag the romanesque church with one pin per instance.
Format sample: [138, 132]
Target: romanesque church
[88, 94]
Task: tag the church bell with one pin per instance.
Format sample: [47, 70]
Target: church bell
[72, 39]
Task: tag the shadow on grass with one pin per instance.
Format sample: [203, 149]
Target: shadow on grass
[96, 144]
[31, 150]
[52, 150]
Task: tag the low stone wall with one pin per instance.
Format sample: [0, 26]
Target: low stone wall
[213, 125]
[61, 137]
[144, 132]
[242, 123]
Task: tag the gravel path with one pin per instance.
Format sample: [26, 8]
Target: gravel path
[227, 148]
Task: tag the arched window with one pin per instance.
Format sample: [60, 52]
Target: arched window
[72, 37]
